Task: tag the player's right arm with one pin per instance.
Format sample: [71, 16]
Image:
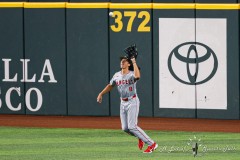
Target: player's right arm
[107, 89]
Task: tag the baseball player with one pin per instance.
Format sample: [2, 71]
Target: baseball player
[126, 80]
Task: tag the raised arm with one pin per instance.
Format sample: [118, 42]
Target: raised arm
[107, 89]
[136, 71]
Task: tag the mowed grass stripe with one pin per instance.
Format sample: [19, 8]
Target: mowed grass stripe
[61, 144]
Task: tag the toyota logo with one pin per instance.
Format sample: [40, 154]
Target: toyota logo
[191, 54]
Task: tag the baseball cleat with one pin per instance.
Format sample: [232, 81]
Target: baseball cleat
[140, 144]
[151, 148]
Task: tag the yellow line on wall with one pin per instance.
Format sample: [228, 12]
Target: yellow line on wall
[87, 5]
[198, 6]
[11, 5]
[174, 5]
[217, 6]
[45, 5]
[130, 6]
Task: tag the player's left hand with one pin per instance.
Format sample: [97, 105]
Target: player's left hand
[133, 59]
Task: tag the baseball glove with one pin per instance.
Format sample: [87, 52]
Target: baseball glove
[131, 51]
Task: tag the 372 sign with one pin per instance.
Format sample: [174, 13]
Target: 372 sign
[131, 16]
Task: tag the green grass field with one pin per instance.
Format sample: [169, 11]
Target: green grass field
[69, 144]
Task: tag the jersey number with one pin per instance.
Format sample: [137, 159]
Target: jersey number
[130, 88]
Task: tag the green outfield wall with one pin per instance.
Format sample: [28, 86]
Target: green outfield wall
[56, 56]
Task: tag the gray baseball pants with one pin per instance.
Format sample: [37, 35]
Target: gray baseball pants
[129, 111]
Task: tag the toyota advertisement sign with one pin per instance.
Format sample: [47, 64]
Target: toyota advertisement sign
[192, 63]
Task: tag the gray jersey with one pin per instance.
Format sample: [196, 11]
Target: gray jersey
[126, 84]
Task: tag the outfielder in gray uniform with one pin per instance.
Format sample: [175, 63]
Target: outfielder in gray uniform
[126, 80]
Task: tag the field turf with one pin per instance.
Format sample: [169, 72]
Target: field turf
[94, 144]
